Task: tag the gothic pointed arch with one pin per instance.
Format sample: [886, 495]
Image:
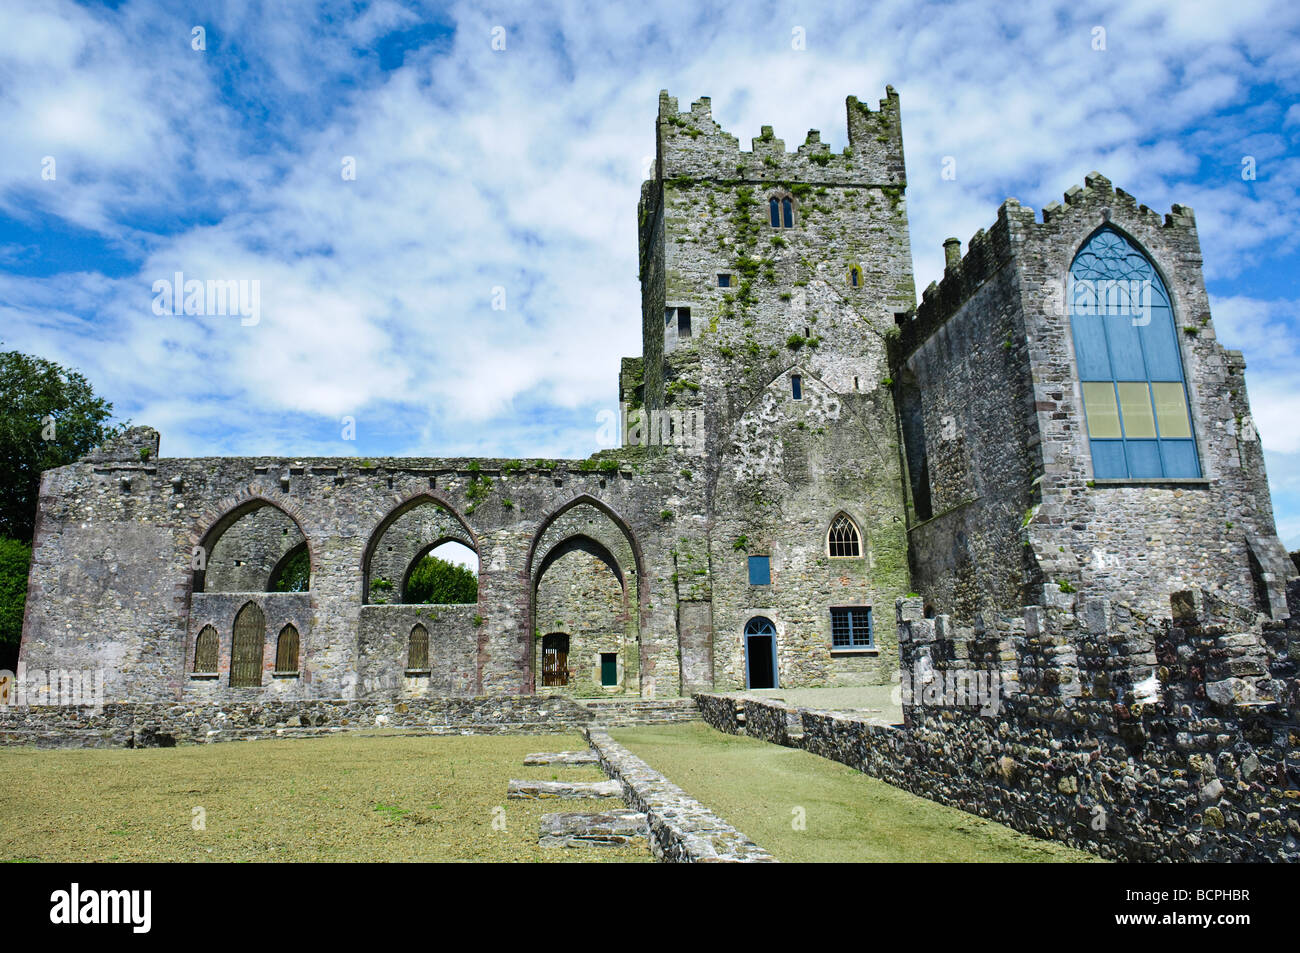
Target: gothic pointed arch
[242, 549]
[412, 527]
[1129, 363]
[844, 538]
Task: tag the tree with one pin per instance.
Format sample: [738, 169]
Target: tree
[439, 582]
[295, 572]
[15, 557]
[49, 417]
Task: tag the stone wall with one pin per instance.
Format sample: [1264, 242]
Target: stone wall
[1137, 738]
[384, 649]
[113, 579]
[153, 724]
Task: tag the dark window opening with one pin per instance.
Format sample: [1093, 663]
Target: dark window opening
[796, 387]
[774, 209]
[855, 276]
[608, 669]
[555, 659]
[683, 322]
[760, 571]
[787, 213]
[724, 281]
[851, 627]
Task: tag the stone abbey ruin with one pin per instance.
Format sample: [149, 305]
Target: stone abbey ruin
[1045, 471]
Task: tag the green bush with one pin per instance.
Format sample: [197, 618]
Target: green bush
[438, 582]
[15, 557]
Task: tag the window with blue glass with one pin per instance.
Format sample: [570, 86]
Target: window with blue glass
[851, 627]
[1130, 369]
[760, 571]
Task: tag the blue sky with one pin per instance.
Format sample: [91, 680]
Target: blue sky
[519, 168]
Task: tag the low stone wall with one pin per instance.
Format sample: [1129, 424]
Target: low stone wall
[682, 830]
[1068, 780]
[161, 724]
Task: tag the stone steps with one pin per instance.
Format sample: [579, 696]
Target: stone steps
[561, 757]
[616, 828]
[644, 711]
[538, 790]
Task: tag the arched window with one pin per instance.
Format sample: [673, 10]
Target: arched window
[246, 647]
[843, 539]
[205, 651]
[417, 650]
[286, 651]
[780, 212]
[1130, 369]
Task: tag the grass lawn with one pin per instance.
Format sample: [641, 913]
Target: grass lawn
[849, 816]
[330, 799]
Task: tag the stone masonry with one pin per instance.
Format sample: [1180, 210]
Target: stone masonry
[788, 380]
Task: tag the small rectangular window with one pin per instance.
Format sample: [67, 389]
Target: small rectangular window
[608, 669]
[851, 627]
[760, 571]
[724, 281]
[683, 322]
[796, 387]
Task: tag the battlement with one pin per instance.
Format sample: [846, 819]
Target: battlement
[691, 146]
[1083, 654]
[988, 251]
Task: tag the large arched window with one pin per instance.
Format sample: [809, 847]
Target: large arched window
[843, 540]
[1126, 348]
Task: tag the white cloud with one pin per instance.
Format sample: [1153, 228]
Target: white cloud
[522, 169]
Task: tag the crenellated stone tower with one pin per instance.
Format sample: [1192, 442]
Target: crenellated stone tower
[770, 281]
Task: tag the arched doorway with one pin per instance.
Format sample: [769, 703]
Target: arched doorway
[760, 653]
